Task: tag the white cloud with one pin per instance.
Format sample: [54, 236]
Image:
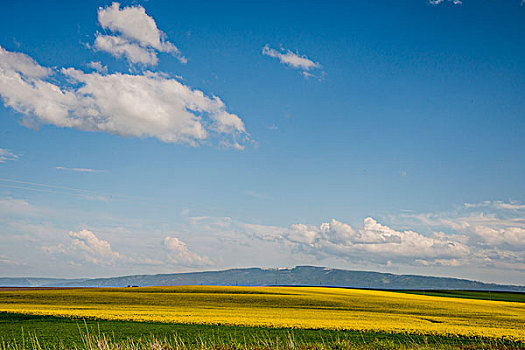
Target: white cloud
[132, 105]
[99, 67]
[514, 237]
[494, 230]
[178, 253]
[20, 63]
[494, 224]
[119, 47]
[293, 60]
[92, 248]
[496, 205]
[374, 243]
[308, 75]
[137, 36]
[7, 155]
[79, 170]
[437, 2]
[300, 233]
[453, 243]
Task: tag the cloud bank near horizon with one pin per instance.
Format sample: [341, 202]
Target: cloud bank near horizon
[489, 236]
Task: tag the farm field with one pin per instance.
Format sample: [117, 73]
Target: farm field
[280, 307]
[469, 294]
[19, 332]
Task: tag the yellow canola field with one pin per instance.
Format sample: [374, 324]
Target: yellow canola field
[294, 307]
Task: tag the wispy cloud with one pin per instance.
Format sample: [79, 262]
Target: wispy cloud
[6, 261]
[7, 155]
[62, 190]
[437, 2]
[497, 205]
[294, 60]
[99, 67]
[45, 187]
[135, 35]
[79, 170]
[100, 198]
[257, 195]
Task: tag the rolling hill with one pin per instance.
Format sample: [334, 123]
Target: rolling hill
[299, 275]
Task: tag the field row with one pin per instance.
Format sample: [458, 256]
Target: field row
[29, 332]
[291, 307]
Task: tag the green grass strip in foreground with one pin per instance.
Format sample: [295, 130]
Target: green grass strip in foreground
[63, 333]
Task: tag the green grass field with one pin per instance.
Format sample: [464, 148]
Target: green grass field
[279, 307]
[18, 331]
[139, 318]
[479, 295]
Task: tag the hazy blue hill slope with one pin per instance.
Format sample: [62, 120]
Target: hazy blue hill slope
[300, 275]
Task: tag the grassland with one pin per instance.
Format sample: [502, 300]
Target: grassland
[281, 307]
[472, 294]
[20, 332]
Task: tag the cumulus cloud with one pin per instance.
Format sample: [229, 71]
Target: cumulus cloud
[487, 238]
[374, 243]
[7, 155]
[474, 239]
[131, 105]
[20, 63]
[178, 253]
[93, 249]
[119, 47]
[495, 230]
[293, 60]
[491, 223]
[136, 36]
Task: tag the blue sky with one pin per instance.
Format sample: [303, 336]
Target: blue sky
[166, 136]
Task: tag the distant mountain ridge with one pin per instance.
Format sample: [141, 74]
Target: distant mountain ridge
[299, 275]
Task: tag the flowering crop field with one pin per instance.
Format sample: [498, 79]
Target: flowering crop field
[292, 307]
